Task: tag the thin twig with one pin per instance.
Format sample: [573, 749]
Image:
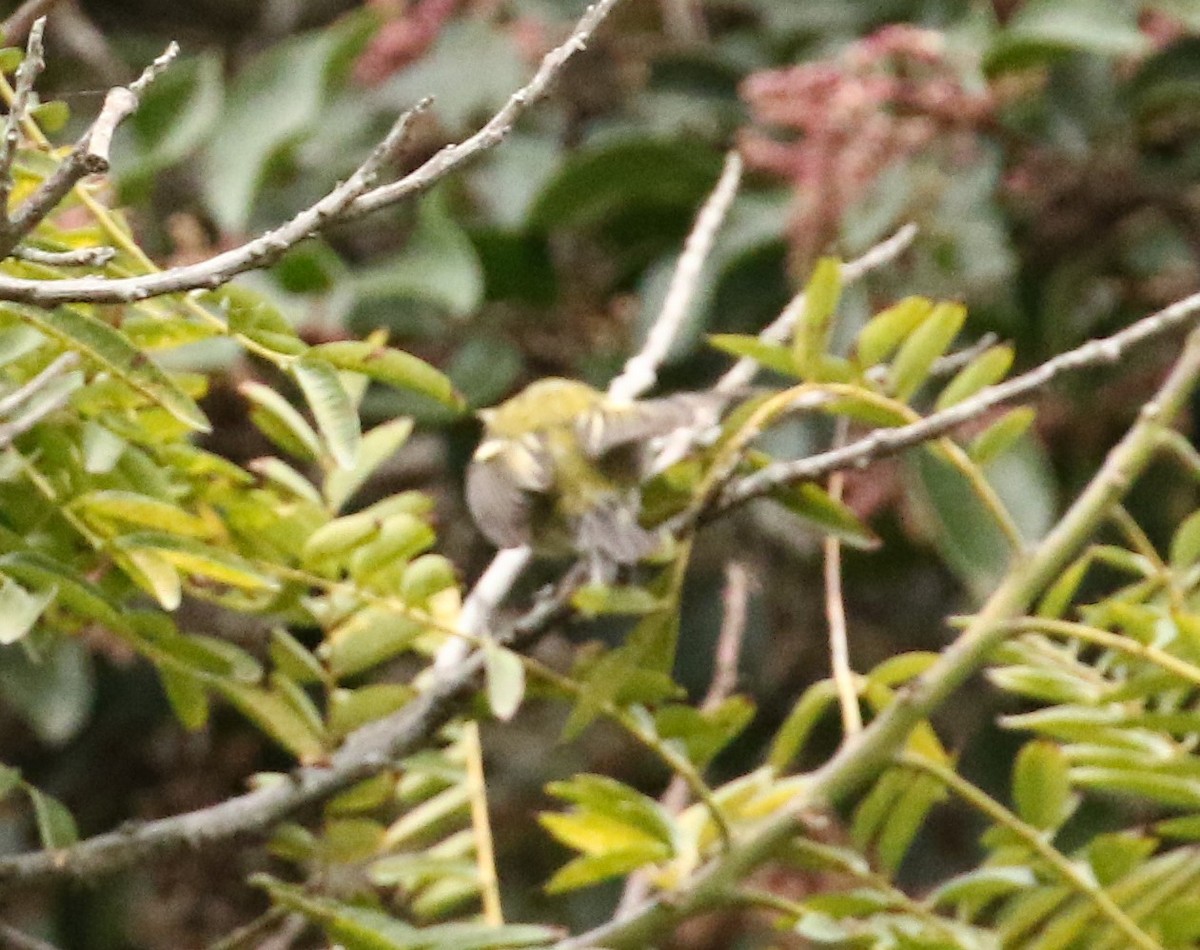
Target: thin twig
[883, 442]
[835, 611]
[269, 247]
[28, 390]
[82, 257]
[88, 157]
[481, 826]
[30, 68]
[641, 371]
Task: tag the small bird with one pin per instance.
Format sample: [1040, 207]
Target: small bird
[560, 465]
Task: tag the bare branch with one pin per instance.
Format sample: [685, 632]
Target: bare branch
[30, 68]
[641, 371]
[88, 157]
[83, 257]
[884, 442]
[337, 205]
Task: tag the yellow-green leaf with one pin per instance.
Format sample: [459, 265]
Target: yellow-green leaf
[109, 348]
[1000, 435]
[391, 366]
[144, 511]
[924, 346]
[985, 370]
[810, 340]
[889, 328]
[332, 407]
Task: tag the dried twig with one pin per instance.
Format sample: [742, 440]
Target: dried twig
[835, 611]
[269, 247]
[30, 68]
[82, 257]
[641, 371]
[88, 157]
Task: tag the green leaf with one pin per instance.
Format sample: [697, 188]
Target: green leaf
[368, 638]
[425, 576]
[1041, 786]
[339, 537]
[594, 600]
[793, 734]
[281, 422]
[332, 407]
[923, 347]
[378, 445]
[1185, 545]
[10, 780]
[599, 795]
[277, 716]
[593, 868]
[982, 886]
[276, 99]
[200, 560]
[812, 503]
[401, 536]
[143, 511]
[987, 369]
[56, 828]
[1043, 28]
[905, 818]
[187, 696]
[772, 356]
[386, 365]
[810, 339]
[178, 112]
[1058, 598]
[357, 928]
[20, 609]
[291, 657]
[596, 184]
[107, 347]
[52, 116]
[1000, 435]
[351, 708]
[885, 331]
[505, 677]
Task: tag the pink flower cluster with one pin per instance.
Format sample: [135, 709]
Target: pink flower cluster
[403, 38]
[844, 121]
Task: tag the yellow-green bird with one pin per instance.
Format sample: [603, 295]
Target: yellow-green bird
[560, 465]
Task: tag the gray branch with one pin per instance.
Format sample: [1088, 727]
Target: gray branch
[269, 247]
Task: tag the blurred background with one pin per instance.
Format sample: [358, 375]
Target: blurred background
[1047, 149]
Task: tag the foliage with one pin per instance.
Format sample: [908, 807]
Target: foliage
[204, 485]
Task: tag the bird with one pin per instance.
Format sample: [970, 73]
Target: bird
[560, 465]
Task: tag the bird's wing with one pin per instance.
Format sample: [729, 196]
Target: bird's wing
[602, 430]
[501, 508]
[609, 530]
